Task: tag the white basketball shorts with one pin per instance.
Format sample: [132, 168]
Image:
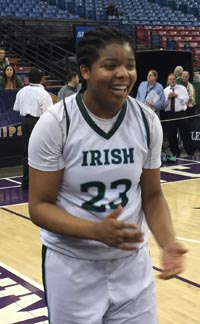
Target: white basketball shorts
[119, 291]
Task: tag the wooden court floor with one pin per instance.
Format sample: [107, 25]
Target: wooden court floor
[21, 293]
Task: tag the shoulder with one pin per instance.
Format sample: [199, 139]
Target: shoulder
[19, 81]
[138, 106]
[59, 109]
[63, 88]
[26, 90]
[181, 87]
[143, 83]
[166, 89]
[159, 85]
[147, 118]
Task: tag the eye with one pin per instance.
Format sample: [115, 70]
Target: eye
[110, 66]
[131, 66]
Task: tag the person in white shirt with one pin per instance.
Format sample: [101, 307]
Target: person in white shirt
[176, 104]
[31, 101]
[191, 92]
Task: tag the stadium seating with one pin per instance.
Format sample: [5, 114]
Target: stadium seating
[146, 12]
[151, 13]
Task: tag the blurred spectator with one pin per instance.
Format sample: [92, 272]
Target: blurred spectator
[196, 85]
[191, 93]
[178, 71]
[111, 10]
[31, 102]
[177, 99]
[4, 61]
[187, 47]
[151, 92]
[71, 87]
[9, 79]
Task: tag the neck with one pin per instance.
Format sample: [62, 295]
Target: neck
[71, 84]
[151, 83]
[106, 112]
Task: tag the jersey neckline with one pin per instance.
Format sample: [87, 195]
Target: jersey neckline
[94, 126]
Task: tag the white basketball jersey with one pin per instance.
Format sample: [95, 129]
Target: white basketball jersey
[101, 170]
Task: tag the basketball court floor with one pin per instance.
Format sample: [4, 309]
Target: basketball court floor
[21, 291]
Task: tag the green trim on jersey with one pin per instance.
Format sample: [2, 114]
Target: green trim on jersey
[67, 116]
[95, 127]
[116, 125]
[145, 124]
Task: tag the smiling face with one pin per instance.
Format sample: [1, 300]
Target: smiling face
[171, 80]
[110, 79]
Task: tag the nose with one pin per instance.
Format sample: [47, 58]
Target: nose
[122, 71]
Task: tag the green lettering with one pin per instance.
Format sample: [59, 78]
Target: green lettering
[116, 156]
[128, 155]
[95, 158]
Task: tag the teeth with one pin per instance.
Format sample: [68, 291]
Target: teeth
[119, 87]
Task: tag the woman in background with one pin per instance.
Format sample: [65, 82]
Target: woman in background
[9, 79]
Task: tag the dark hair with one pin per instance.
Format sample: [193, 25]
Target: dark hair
[70, 75]
[14, 77]
[35, 75]
[95, 39]
[4, 72]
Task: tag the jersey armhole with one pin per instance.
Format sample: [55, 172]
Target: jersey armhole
[145, 124]
[67, 117]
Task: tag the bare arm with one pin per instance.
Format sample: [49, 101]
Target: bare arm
[155, 207]
[45, 213]
[159, 220]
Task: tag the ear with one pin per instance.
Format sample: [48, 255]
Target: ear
[85, 72]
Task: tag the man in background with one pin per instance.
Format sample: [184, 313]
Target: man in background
[196, 85]
[191, 92]
[175, 112]
[178, 71]
[31, 101]
[71, 87]
[4, 61]
[151, 92]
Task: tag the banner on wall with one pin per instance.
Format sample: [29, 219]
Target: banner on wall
[79, 31]
[10, 131]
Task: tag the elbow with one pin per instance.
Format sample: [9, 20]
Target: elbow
[33, 215]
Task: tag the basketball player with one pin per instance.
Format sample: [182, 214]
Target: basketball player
[95, 190]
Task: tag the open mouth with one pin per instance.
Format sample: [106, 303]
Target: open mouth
[120, 88]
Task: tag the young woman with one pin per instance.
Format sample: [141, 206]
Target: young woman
[94, 190]
[9, 79]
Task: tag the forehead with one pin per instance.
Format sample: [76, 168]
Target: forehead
[116, 50]
[171, 77]
[2, 51]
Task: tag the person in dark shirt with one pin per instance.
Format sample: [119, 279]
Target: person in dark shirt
[111, 10]
[71, 87]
